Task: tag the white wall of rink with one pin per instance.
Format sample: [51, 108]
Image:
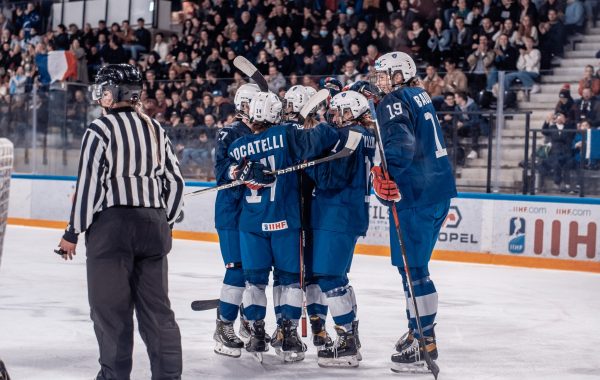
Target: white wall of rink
[526, 226]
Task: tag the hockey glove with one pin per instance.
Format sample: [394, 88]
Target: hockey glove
[255, 175]
[386, 190]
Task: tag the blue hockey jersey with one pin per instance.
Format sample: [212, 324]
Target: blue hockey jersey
[228, 203]
[414, 148]
[277, 206]
[342, 188]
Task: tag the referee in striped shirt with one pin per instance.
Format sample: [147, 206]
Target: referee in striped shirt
[129, 193]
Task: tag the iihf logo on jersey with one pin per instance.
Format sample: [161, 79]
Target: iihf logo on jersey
[516, 244]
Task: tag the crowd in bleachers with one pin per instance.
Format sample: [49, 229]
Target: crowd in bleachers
[460, 45]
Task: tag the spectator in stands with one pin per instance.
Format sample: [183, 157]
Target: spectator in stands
[61, 38]
[115, 52]
[439, 42]
[552, 37]
[528, 65]
[454, 80]
[223, 107]
[432, 82]
[574, 17]
[77, 114]
[417, 42]
[526, 28]
[558, 5]
[161, 47]
[589, 80]
[350, 74]
[529, 10]
[474, 18]
[580, 137]
[559, 135]
[317, 63]
[82, 67]
[587, 107]
[508, 28]
[447, 111]
[197, 151]
[487, 29]
[275, 79]
[462, 39]
[565, 103]
[509, 9]
[505, 59]
[480, 63]
[468, 123]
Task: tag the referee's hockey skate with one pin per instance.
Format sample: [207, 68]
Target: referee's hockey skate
[409, 357]
[227, 343]
[343, 353]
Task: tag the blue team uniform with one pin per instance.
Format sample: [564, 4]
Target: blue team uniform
[270, 219]
[418, 163]
[227, 212]
[340, 214]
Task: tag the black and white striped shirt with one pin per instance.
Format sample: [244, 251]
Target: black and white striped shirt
[124, 163]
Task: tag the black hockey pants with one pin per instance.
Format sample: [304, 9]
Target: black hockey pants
[127, 269]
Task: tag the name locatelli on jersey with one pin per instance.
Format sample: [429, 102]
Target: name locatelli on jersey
[258, 146]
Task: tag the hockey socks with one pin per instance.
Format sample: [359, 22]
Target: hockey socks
[231, 294]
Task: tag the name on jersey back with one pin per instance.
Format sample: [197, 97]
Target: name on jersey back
[258, 146]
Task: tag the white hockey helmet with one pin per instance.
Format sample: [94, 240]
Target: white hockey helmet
[352, 101]
[244, 94]
[296, 97]
[265, 107]
[310, 91]
[393, 62]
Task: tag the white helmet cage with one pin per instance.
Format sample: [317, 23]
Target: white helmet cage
[352, 101]
[265, 107]
[244, 94]
[296, 97]
[393, 62]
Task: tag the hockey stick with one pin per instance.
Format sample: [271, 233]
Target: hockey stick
[354, 138]
[433, 367]
[313, 102]
[201, 305]
[302, 247]
[251, 71]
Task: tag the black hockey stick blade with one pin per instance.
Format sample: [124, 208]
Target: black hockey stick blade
[352, 142]
[251, 71]
[318, 98]
[202, 305]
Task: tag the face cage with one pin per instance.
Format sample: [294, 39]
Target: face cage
[97, 91]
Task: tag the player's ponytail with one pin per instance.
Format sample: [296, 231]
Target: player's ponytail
[140, 112]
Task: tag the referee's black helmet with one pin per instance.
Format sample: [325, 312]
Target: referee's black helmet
[123, 80]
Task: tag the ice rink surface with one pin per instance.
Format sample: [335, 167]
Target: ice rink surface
[493, 322]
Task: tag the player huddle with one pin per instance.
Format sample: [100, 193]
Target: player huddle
[304, 225]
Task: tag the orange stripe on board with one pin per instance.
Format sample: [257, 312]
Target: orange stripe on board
[378, 250]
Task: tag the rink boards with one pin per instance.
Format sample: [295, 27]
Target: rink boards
[531, 231]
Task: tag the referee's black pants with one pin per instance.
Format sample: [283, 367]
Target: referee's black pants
[127, 269]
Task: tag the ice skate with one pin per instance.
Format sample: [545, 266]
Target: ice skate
[409, 357]
[292, 347]
[358, 345]
[277, 339]
[227, 343]
[321, 338]
[257, 344]
[343, 353]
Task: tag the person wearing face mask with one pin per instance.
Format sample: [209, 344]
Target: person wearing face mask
[257, 45]
[325, 40]
[307, 41]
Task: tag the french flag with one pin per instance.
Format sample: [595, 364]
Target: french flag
[56, 65]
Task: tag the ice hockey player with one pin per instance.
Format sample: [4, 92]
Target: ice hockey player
[270, 218]
[227, 212]
[340, 214]
[316, 304]
[421, 185]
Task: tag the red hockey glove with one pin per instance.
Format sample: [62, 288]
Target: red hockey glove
[386, 190]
